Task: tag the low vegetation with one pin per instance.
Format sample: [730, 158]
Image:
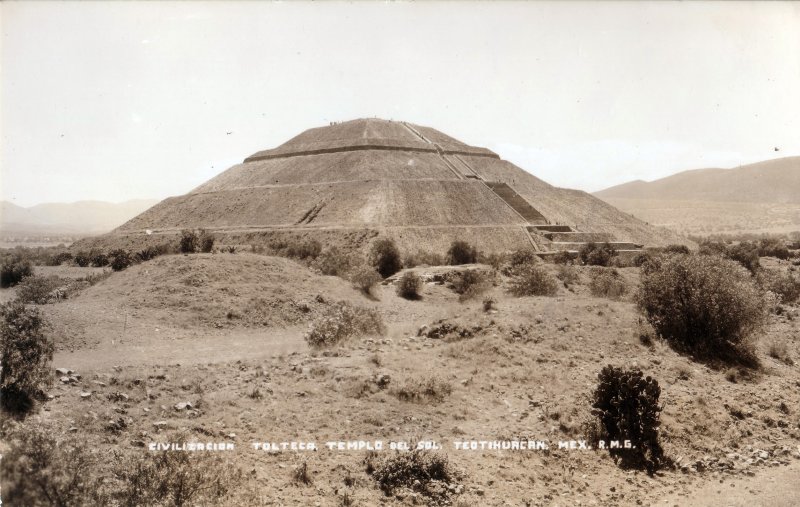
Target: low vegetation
[703, 305]
[607, 283]
[384, 257]
[428, 474]
[533, 280]
[13, 271]
[461, 252]
[409, 286]
[594, 254]
[342, 321]
[423, 389]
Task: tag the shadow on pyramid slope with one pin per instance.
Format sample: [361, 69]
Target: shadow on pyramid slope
[369, 177]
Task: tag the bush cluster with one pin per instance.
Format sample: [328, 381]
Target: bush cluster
[470, 283]
[365, 279]
[426, 473]
[626, 406]
[773, 247]
[342, 321]
[785, 285]
[703, 305]
[533, 280]
[461, 252]
[25, 353]
[384, 257]
[607, 283]
[422, 258]
[38, 289]
[745, 253]
[13, 271]
[594, 254]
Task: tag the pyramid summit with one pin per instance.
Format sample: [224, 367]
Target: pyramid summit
[348, 182]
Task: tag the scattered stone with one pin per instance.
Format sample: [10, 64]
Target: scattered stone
[86, 394]
[160, 424]
[64, 371]
[183, 405]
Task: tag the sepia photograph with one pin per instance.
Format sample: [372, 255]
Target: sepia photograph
[413, 253]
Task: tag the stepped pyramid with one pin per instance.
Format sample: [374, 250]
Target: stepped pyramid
[349, 182]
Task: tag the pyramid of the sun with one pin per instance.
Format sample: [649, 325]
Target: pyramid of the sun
[355, 180]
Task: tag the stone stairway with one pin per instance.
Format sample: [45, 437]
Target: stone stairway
[517, 203]
[563, 238]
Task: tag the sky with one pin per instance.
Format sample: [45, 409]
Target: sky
[124, 100]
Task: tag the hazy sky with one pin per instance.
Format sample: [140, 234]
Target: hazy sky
[114, 101]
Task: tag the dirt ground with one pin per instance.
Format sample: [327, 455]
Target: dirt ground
[224, 332]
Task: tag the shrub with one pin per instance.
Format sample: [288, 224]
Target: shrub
[146, 254]
[98, 259]
[607, 283]
[308, 249]
[333, 261]
[409, 285]
[785, 285]
[626, 407]
[189, 241]
[13, 271]
[563, 257]
[59, 259]
[470, 283]
[713, 248]
[780, 351]
[461, 252]
[82, 259]
[385, 257]
[592, 254]
[533, 281]
[703, 305]
[206, 241]
[422, 389]
[365, 279]
[428, 474]
[38, 289]
[746, 254]
[37, 471]
[25, 353]
[120, 259]
[343, 321]
[301, 475]
[489, 304]
[773, 247]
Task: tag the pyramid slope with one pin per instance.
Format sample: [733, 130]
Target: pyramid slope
[405, 181]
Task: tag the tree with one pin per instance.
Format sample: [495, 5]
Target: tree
[26, 355]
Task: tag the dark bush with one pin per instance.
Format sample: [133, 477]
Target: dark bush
[59, 259]
[532, 280]
[206, 241]
[713, 248]
[607, 283]
[773, 247]
[365, 279]
[82, 259]
[99, 259]
[333, 261]
[703, 305]
[470, 283]
[120, 259]
[25, 353]
[146, 254]
[385, 257]
[409, 285]
[746, 254]
[189, 241]
[461, 252]
[593, 254]
[626, 406]
[425, 473]
[13, 271]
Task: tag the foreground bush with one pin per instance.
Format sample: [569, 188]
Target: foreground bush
[333, 261]
[428, 474]
[13, 271]
[120, 259]
[39, 290]
[593, 254]
[470, 283]
[607, 283]
[385, 257]
[343, 321]
[303, 250]
[773, 247]
[703, 305]
[205, 241]
[409, 285]
[25, 353]
[189, 241]
[784, 285]
[423, 389]
[532, 280]
[461, 252]
[626, 407]
[365, 279]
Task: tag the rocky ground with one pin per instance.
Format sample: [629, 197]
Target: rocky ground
[210, 348]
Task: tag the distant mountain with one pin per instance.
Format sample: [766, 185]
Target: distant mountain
[82, 217]
[761, 198]
[772, 181]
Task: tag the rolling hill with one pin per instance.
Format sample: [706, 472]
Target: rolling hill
[760, 197]
[78, 218]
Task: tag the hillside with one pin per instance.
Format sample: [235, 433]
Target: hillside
[761, 198]
[772, 181]
[82, 217]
